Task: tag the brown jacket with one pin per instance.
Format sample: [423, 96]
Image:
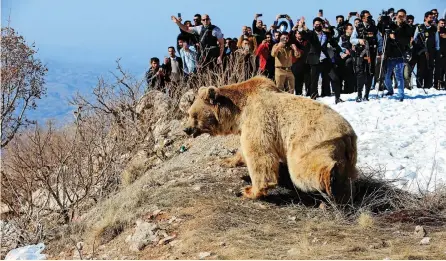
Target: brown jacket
[284, 55]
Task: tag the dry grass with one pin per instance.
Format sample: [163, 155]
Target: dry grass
[287, 225]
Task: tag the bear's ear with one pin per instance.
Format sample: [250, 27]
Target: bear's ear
[209, 94]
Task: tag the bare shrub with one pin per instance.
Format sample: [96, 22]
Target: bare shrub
[22, 83]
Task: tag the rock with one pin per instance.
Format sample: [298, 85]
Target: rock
[420, 232]
[323, 206]
[186, 101]
[166, 240]
[222, 244]
[425, 241]
[196, 188]
[203, 255]
[293, 252]
[144, 234]
[156, 212]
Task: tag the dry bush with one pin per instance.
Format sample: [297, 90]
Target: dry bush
[22, 83]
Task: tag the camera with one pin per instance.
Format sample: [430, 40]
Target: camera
[179, 15]
[282, 16]
[352, 13]
[321, 11]
[259, 14]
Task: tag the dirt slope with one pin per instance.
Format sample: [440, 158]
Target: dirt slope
[195, 204]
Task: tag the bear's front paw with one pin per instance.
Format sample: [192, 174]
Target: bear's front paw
[231, 162]
[251, 193]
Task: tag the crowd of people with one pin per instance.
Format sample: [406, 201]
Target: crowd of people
[348, 57]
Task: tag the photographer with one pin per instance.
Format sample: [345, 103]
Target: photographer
[440, 62]
[398, 42]
[212, 43]
[346, 65]
[155, 76]
[426, 44]
[319, 59]
[246, 35]
[258, 30]
[284, 52]
[263, 52]
[365, 39]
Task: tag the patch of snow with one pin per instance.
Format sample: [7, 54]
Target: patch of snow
[407, 139]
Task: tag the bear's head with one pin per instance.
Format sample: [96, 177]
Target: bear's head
[212, 113]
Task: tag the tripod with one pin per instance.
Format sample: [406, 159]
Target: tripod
[406, 62]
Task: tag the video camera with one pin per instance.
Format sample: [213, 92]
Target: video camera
[385, 22]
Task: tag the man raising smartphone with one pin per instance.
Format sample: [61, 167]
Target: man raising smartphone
[212, 43]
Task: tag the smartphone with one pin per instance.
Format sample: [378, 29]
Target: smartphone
[179, 15]
[282, 16]
[321, 11]
[259, 14]
[352, 13]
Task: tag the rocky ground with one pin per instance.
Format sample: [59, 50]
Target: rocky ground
[188, 208]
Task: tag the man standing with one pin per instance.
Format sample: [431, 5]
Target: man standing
[365, 40]
[426, 44]
[397, 46]
[263, 52]
[440, 62]
[155, 75]
[347, 60]
[319, 59]
[301, 69]
[283, 52]
[258, 30]
[212, 43]
[173, 66]
[189, 56]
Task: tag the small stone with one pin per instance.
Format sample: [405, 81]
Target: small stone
[203, 255]
[222, 244]
[293, 252]
[167, 239]
[425, 241]
[293, 218]
[156, 212]
[420, 232]
[323, 206]
[196, 188]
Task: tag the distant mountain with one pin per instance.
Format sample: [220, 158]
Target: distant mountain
[63, 80]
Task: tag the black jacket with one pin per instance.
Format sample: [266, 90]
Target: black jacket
[399, 46]
[316, 48]
[168, 67]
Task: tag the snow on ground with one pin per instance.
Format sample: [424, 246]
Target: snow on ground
[407, 139]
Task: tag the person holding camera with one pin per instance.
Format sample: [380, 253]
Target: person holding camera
[346, 65]
[246, 59]
[365, 40]
[212, 43]
[440, 62]
[246, 35]
[426, 44]
[300, 68]
[284, 52]
[318, 58]
[155, 76]
[398, 43]
[263, 53]
[257, 28]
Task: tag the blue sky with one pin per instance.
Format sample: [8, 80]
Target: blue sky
[81, 39]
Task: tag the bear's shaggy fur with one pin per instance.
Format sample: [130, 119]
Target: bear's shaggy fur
[317, 143]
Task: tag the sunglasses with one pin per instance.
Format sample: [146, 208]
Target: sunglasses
[205, 19]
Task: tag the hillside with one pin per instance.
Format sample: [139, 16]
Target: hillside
[188, 206]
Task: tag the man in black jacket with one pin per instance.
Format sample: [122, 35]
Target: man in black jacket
[398, 44]
[426, 45]
[212, 43]
[173, 66]
[319, 58]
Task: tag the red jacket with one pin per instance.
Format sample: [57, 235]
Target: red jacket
[263, 53]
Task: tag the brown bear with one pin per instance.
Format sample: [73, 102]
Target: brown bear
[316, 143]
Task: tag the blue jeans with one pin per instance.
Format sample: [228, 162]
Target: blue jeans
[398, 64]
